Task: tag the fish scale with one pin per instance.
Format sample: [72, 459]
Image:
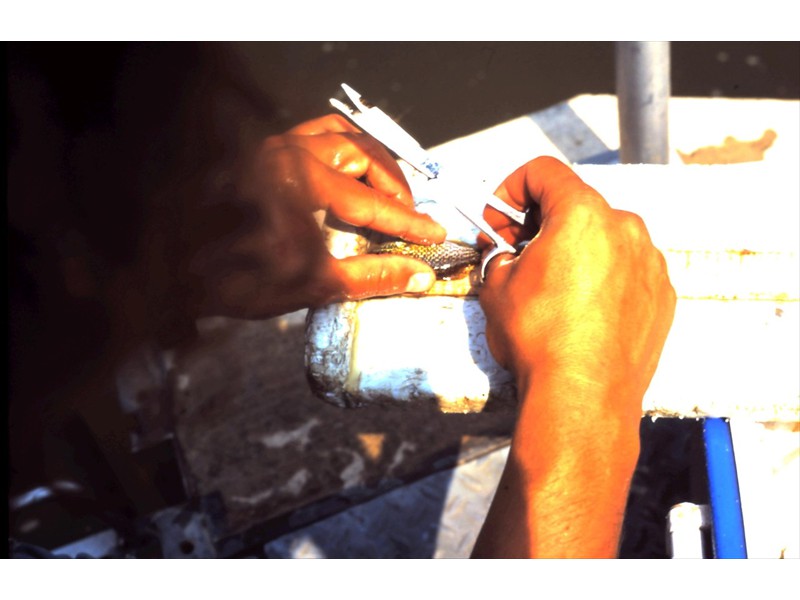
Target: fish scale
[448, 259]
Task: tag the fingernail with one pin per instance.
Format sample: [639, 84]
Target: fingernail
[420, 282]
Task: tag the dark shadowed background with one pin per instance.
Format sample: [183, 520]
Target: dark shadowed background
[442, 90]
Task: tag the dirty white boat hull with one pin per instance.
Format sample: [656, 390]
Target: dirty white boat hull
[729, 234]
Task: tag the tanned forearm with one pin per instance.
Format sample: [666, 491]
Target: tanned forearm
[580, 317]
[565, 485]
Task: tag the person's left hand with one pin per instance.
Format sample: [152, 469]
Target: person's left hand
[259, 251]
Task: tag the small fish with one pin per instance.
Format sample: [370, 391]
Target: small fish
[448, 260]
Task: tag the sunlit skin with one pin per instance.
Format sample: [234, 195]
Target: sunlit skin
[580, 318]
[260, 252]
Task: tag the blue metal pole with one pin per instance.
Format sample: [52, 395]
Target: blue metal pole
[726, 505]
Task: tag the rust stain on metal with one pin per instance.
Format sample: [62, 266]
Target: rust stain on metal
[731, 151]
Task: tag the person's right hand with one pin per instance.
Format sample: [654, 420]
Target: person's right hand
[580, 317]
[590, 294]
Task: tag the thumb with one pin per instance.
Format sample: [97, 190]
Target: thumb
[499, 269]
[366, 276]
[497, 273]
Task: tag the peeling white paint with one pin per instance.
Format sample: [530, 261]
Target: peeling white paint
[280, 439]
[254, 499]
[352, 474]
[295, 485]
[400, 453]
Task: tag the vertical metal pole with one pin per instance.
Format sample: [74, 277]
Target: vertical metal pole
[643, 90]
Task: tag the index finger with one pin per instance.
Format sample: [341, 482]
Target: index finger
[364, 206]
[551, 184]
[359, 156]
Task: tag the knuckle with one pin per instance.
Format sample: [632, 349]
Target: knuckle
[275, 157]
[633, 225]
[582, 214]
[366, 213]
[337, 122]
[390, 215]
[332, 119]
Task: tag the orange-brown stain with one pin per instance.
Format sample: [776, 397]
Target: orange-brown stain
[731, 151]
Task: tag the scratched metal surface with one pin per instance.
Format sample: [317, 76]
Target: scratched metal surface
[269, 459]
[439, 516]
[269, 453]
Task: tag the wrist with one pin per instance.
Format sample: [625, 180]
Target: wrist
[565, 486]
[575, 451]
[565, 412]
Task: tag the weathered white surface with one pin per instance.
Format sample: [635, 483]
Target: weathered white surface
[729, 359]
[729, 234]
[439, 516]
[768, 469]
